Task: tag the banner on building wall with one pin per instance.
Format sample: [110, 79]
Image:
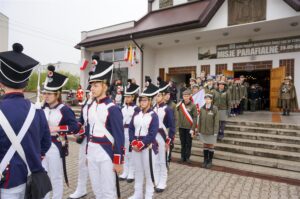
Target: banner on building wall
[263, 47]
[251, 48]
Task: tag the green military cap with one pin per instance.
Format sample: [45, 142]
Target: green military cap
[187, 92]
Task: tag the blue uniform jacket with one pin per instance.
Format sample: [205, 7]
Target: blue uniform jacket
[151, 134]
[35, 143]
[114, 125]
[168, 121]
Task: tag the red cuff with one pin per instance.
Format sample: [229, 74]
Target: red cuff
[140, 145]
[64, 128]
[117, 159]
[134, 143]
[81, 132]
[168, 141]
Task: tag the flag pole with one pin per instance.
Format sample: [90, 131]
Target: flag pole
[142, 59]
[38, 102]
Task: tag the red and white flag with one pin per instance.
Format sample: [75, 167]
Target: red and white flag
[84, 64]
[126, 54]
[198, 99]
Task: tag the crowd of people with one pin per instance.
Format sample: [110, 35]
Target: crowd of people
[125, 133]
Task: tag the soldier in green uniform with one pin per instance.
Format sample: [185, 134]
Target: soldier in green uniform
[208, 129]
[287, 97]
[209, 86]
[253, 96]
[244, 86]
[195, 89]
[193, 81]
[235, 98]
[186, 124]
[222, 100]
[231, 90]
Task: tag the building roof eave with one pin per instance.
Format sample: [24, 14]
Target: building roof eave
[125, 35]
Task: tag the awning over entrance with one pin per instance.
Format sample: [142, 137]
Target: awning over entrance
[178, 18]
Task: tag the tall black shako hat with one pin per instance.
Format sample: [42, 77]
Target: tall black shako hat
[148, 79]
[150, 91]
[103, 70]
[88, 88]
[16, 67]
[54, 81]
[131, 90]
[164, 87]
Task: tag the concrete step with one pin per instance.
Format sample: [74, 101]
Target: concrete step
[273, 131]
[254, 151]
[263, 137]
[248, 167]
[248, 159]
[264, 124]
[262, 144]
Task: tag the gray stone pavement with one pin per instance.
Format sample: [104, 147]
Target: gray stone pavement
[195, 182]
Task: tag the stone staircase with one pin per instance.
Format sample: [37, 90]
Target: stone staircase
[265, 148]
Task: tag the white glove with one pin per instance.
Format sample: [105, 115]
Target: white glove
[191, 132]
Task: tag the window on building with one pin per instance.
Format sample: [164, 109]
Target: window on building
[165, 3]
[206, 69]
[120, 73]
[107, 55]
[119, 54]
[289, 65]
[220, 68]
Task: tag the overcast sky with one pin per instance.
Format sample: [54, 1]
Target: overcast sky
[49, 29]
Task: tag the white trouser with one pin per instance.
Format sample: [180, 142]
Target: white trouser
[82, 169]
[101, 173]
[13, 193]
[161, 171]
[128, 171]
[142, 170]
[53, 165]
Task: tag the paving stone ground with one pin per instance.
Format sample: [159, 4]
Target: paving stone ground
[195, 182]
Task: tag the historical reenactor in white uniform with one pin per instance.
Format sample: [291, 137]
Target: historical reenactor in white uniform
[208, 129]
[106, 145]
[287, 97]
[164, 137]
[128, 111]
[61, 120]
[143, 129]
[172, 105]
[81, 138]
[23, 125]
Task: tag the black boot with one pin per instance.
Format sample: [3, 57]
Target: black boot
[210, 157]
[205, 159]
[288, 112]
